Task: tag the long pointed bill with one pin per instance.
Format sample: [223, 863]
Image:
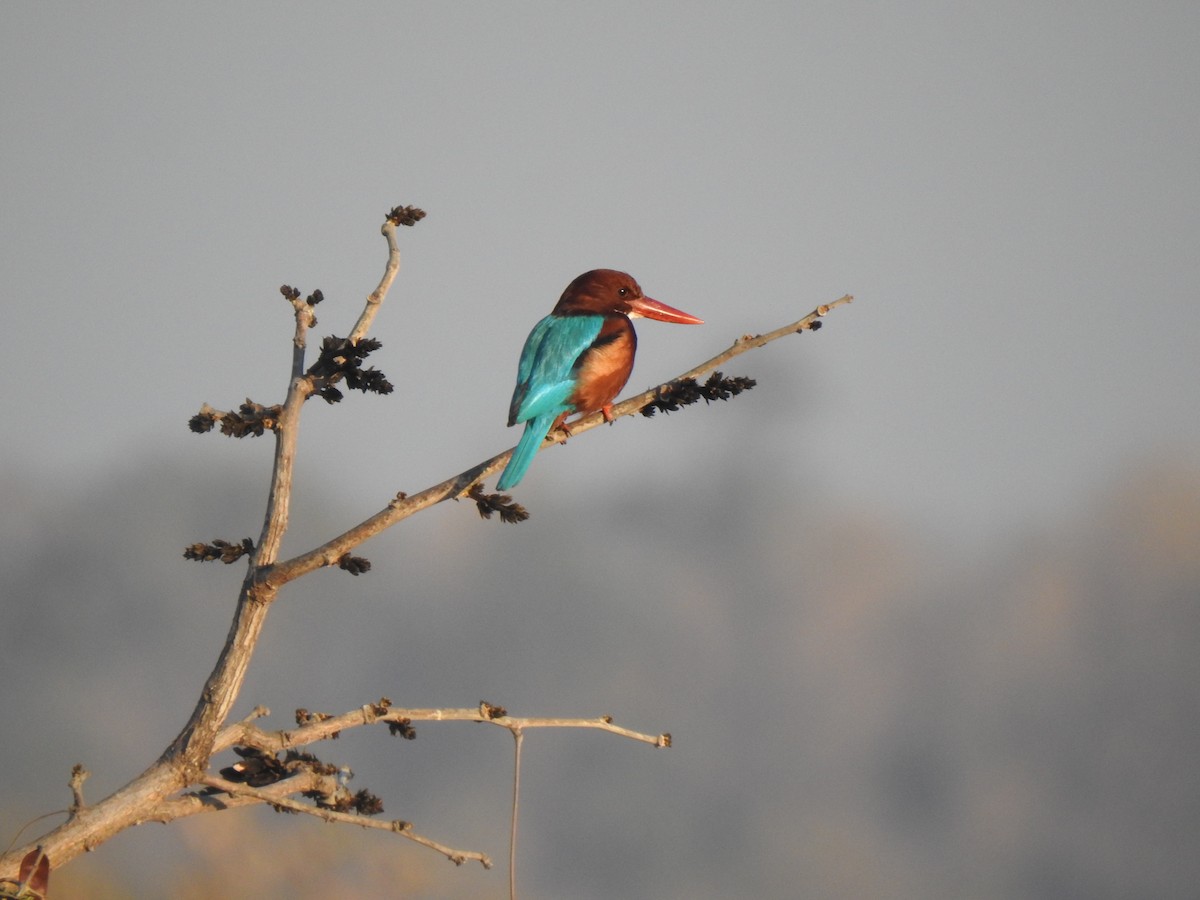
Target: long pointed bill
[652, 309]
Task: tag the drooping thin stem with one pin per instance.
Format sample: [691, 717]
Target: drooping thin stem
[518, 739]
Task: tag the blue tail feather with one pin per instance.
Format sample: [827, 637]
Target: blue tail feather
[535, 432]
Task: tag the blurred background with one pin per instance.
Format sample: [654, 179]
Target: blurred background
[921, 610]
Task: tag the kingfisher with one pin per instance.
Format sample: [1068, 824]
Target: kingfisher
[577, 359]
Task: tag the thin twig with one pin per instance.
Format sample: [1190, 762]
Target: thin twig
[78, 776]
[604, 723]
[406, 505]
[404, 829]
[375, 298]
[245, 734]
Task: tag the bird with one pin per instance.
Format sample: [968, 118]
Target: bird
[577, 359]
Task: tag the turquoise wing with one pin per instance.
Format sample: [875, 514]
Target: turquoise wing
[546, 373]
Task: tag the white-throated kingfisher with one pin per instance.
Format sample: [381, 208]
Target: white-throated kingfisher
[577, 359]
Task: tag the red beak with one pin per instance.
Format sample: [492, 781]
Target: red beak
[652, 309]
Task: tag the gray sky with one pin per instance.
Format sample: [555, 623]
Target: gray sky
[1009, 190]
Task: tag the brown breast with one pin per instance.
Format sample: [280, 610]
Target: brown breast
[605, 366]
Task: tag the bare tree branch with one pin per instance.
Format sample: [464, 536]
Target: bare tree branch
[184, 762]
[405, 505]
[193, 746]
[160, 793]
[322, 728]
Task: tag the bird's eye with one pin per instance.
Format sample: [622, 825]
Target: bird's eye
[623, 292]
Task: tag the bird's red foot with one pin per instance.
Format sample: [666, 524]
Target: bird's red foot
[606, 411]
[561, 423]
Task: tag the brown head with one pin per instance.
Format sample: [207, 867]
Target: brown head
[607, 291]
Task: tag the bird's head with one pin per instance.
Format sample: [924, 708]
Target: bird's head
[607, 291]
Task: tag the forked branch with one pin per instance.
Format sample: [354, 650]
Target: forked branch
[161, 793]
